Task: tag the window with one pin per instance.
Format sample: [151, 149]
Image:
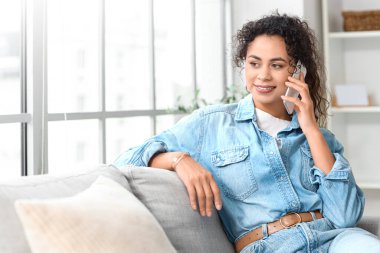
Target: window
[11, 88]
[10, 57]
[73, 59]
[128, 61]
[10, 150]
[174, 51]
[100, 75]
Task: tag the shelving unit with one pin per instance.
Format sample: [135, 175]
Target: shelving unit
[369, 186]
[367, 109]
[352, 58]
[353, 35]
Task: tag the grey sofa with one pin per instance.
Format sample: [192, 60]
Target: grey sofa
[159, 190]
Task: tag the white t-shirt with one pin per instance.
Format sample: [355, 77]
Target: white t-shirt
[269, 123]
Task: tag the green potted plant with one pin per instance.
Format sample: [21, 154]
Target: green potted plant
[233, 94]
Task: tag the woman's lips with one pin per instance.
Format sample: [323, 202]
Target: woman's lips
[264, 88]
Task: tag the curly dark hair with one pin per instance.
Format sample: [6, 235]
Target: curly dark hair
[301, 44]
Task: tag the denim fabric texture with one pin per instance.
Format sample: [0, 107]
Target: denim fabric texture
[263, 178]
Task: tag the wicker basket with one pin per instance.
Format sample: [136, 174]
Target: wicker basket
[361, 20]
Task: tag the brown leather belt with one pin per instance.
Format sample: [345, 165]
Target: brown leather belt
[287, 221]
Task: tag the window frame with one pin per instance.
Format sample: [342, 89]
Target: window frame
[34, 116]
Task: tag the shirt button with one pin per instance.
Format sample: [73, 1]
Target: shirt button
[293, 204]
[271, 152]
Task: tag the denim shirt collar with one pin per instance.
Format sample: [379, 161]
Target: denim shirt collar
[246, 111]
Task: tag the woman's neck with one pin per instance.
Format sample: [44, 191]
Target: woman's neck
[275, 111]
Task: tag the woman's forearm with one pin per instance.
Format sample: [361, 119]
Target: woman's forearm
[322, 156]
[167, 160]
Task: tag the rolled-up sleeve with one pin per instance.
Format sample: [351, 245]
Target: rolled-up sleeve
[184, 136]
[343, 201]
[141, 155]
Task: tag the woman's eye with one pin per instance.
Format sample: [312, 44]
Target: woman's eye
[254, 64]
[276, 66]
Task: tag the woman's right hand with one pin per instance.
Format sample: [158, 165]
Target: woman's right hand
[200, 185]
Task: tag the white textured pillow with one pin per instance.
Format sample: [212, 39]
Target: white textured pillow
[103, 218]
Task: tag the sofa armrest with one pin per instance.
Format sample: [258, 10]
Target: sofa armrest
[165, 195]
[371, 224]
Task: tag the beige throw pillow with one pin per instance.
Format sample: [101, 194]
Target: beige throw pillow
[103, 218]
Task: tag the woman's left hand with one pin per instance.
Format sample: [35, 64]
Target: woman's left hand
[304, 106]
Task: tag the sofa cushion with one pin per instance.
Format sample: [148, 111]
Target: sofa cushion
[166, 197]
[103, 218]
[12, 238]
[371, 224]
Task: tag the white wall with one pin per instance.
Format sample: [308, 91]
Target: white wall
[245, 10]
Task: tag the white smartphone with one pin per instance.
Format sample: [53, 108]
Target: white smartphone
[290, 92]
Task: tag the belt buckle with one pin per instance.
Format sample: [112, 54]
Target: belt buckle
[299, 217]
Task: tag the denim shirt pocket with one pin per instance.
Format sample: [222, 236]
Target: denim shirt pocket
[307, 164]
[234, 171]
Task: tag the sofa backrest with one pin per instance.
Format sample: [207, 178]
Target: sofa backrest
[165, 195]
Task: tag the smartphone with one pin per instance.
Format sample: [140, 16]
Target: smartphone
[290, 92]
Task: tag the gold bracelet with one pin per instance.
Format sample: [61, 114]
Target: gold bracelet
[177, 159]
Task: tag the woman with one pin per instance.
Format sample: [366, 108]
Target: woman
[280, 183]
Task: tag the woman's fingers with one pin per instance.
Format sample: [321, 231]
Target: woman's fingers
[300, 81]
[192, 196]
[209, 198]
[305, 101]
[205, 194]
[299, 85]
[303, 90]
[297, 103]
[211, 193]
[216, 193]
[201, 186]
[201, 199]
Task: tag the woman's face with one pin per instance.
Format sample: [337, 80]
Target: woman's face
[267, 68]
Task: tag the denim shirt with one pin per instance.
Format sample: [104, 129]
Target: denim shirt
[261, 178]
